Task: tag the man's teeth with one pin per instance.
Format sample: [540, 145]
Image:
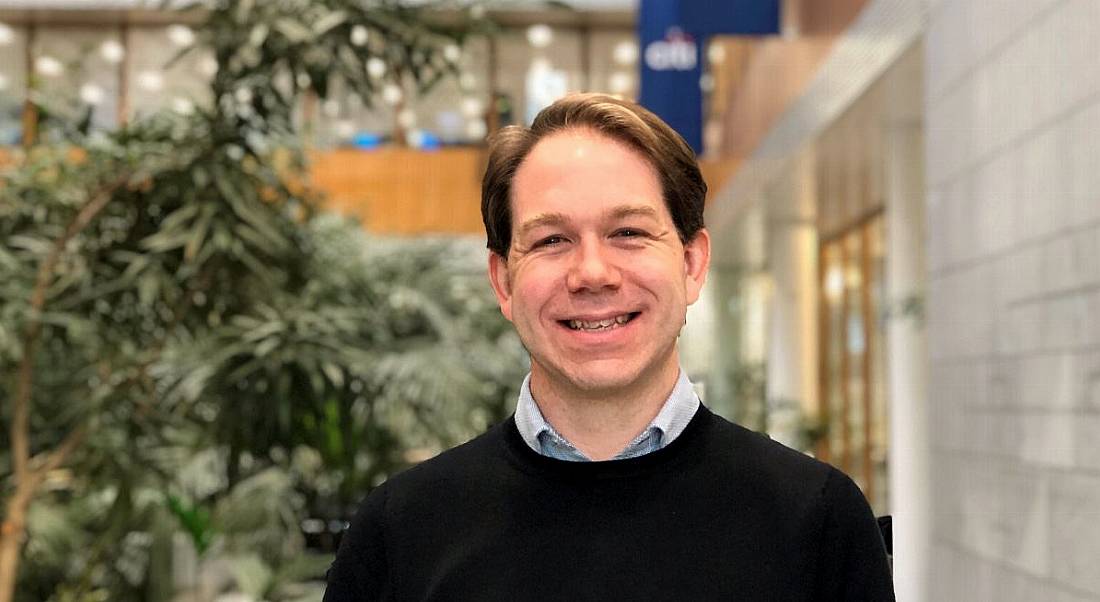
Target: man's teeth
[599, 324]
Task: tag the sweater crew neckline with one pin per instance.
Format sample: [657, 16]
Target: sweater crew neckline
[687, 444]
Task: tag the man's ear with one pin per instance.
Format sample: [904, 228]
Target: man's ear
[501, 281]
[696, 262]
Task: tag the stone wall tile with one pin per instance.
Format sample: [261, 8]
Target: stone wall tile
[1059, 267]
[1046, 439]
[1075, 531]
[1019, 275]
[1089, 377]
[1083, 156]
[1065, 321]
[1020, 329]
[1087, 437]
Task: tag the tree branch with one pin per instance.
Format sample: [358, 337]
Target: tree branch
[45, 462]
[20, 423]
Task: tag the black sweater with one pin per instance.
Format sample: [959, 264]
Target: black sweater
[721, 513]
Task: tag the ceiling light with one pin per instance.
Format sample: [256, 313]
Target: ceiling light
[472, 107]
[91, 94]
[7, 34]
[625, 52]
[208, 66]
[376, 67]
[451, 53]
[406, 118]
[392, 94]
[476, 129]
[150, 81]
[345, 129]
[359, 35]
[112, 51]
[181, 35]
[183, 106]
[620, 82]
[47, 66]
[540, 35]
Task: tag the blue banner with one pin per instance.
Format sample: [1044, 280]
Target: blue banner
[672, 35]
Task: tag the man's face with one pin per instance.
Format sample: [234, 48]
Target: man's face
[597, 281]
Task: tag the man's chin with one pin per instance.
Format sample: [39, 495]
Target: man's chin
[599, 378]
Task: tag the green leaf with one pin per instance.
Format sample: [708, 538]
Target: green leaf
[258, 35]
[253, 576]
[329, 21]
[165, 240]
[198, 233]
[303, 567]
[244, 10]
[334, 373]
[135, 264]
[148, 286]
[33, 244]
[293, 30]
[195, 521]
[266, 346]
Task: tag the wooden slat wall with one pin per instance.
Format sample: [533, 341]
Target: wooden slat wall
[404, 191]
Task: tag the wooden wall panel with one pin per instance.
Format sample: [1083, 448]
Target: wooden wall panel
[816, 18]
[404, 191]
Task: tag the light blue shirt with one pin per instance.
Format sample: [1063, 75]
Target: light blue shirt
[674, 416]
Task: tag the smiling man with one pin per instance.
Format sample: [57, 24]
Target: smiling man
[611, 481]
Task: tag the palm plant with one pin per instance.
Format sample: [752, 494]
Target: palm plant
[393, 347]
[123, 255]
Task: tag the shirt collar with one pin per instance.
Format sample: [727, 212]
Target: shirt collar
[540, 435]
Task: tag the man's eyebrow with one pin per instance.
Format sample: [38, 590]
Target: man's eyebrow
[632, 211]
[556, 219]
[543, 219]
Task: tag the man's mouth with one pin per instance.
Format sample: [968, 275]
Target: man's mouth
[600, 325]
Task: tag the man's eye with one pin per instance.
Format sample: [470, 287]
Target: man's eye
[549, 241]
[628, 233]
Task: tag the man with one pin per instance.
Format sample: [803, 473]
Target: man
[611, 481]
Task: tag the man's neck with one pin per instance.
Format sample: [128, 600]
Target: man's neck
[601, 423]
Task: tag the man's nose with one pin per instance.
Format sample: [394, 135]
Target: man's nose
[593, 268]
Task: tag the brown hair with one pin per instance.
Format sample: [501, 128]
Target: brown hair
[681, 183]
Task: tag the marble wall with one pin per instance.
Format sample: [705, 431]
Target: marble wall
[1012, 117]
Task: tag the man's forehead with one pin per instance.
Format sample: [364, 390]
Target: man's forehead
[572, 143]
[566, 148]
[577, 162]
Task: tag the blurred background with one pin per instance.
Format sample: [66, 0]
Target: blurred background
[242, 268]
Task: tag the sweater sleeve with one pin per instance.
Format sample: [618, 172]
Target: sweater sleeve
[854, 566]
[360, 571]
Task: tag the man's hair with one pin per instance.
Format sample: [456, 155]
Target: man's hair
[682, 184]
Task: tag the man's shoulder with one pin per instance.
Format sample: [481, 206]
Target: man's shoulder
[477, 458]
[756, 460]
